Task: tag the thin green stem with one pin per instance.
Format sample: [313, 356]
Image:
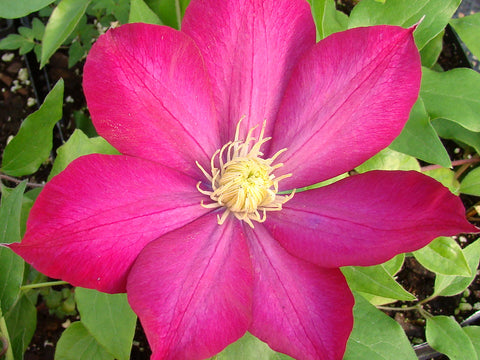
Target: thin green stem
[392, 308]
[178, 13]
[18, 181]
[4, 335]
[42, 285]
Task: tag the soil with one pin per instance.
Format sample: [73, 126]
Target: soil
[16, 104]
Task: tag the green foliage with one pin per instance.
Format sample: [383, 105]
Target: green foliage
[452, 130]
[141, 12]
[388, 159]
[33, 143]
[10, 210]
[468, 29]
[471, 183]
[328, 20]
[15, 9]
[26, 40]
[170, 12]
[446, 177]
[446, 336]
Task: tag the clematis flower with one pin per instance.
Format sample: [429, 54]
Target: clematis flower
[198, 220]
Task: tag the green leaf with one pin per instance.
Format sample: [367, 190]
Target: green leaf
[21, 322]
[471, 183]
[10, 210]
[419, 139]
[375, 280]
[473, 332]
[33, 143]
[76, 52]
[446, 336]
[450, 285]
[13, 42]
[446, 177]
[63, 20]
[376, 336]
[170, 12]
[452, 95]
[328, 20]
[406, 13]
[11, 278]
[18, 8]
[247, 348]
[443, 256]
[431, 51]
[76, 343]
[141, 12]
[109, 319]
[78, 145]
[468, 29]
[389, 159]
[394, 265]
[450, 130]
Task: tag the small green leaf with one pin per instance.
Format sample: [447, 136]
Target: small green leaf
[446, 336]
[450, 285]
[446, 177]
[395, 264]
[473, 332]
[451, 130]
[471, 183]
[76, 343]
[247, 348]
[105, 314]
[63, 20]
[10, 211]
[431, 51]
[170, 12]
[13, 42]
[76, 52]
[376, 336]
[406, 13]
[468, 29]
[389, 159]
[78, 145]
[11, 278]
[443, 256]
[33, 143]
[419, 139]
[328, 20]
[375, 280]
[21, 323]
[16, 9]
[141, 12]
[452, 95]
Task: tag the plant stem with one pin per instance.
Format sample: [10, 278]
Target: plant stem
[5, 338]
[42, 285]
[392, 308]
[18, 181]
[472, 160]
[178, 13]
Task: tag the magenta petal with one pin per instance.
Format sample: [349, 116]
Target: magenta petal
[91, 221]
[367, 219]
[348, 98]
[149, 96]
[250, 48]
[192, 289]
[300, 309]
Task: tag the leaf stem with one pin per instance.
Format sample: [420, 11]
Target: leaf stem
[472, 160]
[42, 285]
[6, 348]
[18, 181]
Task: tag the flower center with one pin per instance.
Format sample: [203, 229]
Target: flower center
[242, 181]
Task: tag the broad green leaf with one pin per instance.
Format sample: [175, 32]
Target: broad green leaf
[170, 12]
[419, 139]
[63, 20]
[376, 336]
[389, 159]
[12, 9]
[141, 12]
[78, 145]
[21, 322]
[375, 280]
[451, 130]
[450, 285]
[11, 278]
[443, 256]
[248, 348]
[468, 28]
[33, 143]
[473, 332]
[14, 41]
[446, 336]
[76, 343]
[452, 95]
[431, 51]
[328, 20]
[394, 265]
[446, 177]
[10, 210]
[406, 13]
[471, 183]
[109, 319]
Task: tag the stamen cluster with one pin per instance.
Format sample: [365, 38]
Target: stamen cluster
[243, 182]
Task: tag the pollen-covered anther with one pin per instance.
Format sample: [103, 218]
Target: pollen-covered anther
[242, 181]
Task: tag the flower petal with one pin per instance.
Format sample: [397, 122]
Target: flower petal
[91, 221]
[250, 48]
[149, 96]
[192, 289]
[299, 309]
[366, 219]
[348, 98]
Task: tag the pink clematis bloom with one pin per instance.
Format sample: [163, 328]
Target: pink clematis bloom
[195, 222]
